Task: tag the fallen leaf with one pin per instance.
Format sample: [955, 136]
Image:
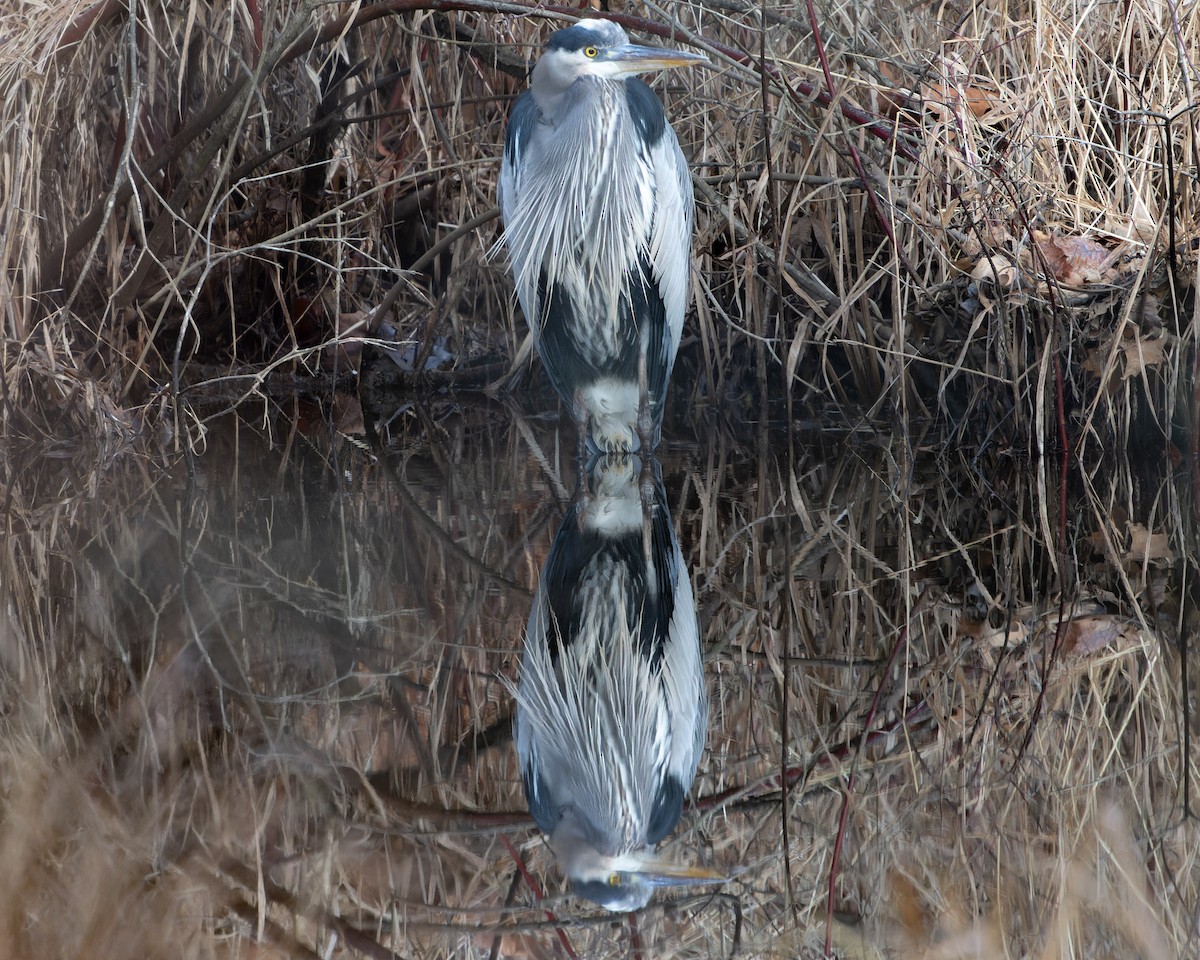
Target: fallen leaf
[1144, 545]
[1099, 362]
[890, 101]
[1012, 633]
[909, 908]
[976, 99]
[1076, 261]
[1140, 354]
[997, 269]
[1085, 635]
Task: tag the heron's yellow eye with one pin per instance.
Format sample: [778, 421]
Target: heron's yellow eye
[591, 52]
[614, 879]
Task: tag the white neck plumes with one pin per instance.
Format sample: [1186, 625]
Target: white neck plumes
[586, 213]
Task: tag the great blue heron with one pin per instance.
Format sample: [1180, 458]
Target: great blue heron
[598, 209]
[612, 711]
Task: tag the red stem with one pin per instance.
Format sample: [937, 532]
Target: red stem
[859, 166]
[256, 19]
[537, 893]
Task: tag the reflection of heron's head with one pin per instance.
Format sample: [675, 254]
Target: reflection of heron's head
[620, 883]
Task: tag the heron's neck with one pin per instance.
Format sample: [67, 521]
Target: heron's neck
[557, 100]
[574, 844]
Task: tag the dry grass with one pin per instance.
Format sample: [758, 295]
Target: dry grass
[247, 721]
[972, 204]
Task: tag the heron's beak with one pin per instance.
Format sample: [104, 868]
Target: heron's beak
[630, 58]
[661, 872]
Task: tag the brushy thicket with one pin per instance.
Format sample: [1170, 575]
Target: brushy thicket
[953, 237]
[946, 212]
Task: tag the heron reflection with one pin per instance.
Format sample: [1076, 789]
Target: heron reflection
[611, 708]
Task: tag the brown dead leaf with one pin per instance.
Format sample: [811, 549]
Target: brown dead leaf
[1086, 635]
[1141, 353]
[373, 738]
[890, 101]
[942, 98]
[1144, 545]
[909, 908]
[1098, 362]
[1077, 261]
[994, 634]
[998, 269]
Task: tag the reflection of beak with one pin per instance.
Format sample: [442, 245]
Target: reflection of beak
[661, 872]
[631, 58]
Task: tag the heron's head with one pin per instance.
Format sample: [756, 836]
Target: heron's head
[624, 882]
[597, 48]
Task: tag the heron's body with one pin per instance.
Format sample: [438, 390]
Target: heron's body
[612, 710]
[598, 212]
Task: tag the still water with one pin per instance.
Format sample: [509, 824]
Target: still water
[259, 697]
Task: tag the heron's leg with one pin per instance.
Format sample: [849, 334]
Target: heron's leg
[580, 414]
[646, 495]
[645, 429]
[645, 417]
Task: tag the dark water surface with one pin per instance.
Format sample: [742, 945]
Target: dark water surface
[264, 693]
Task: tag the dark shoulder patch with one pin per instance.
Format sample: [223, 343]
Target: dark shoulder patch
[668, 808]
[655, 601]
[646, 109]
[537, 794]
[524, 117]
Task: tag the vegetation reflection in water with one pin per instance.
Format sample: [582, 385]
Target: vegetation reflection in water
[266, 695]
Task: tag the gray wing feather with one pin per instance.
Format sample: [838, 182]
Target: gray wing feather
[683, 679]
[521, 126]
[671, 250]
